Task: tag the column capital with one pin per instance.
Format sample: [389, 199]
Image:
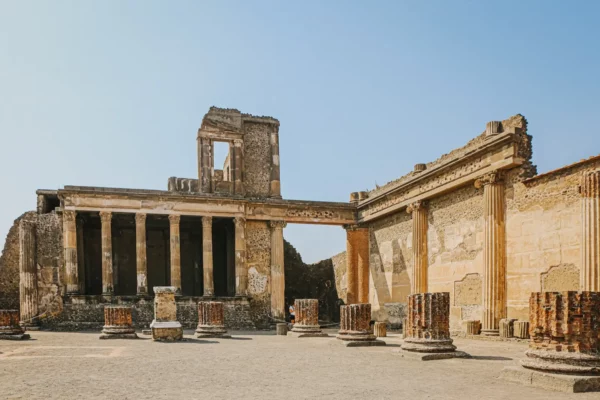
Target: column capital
[140, 218]
[207, 220]
[416, 206]
[239, 220]
[174, 219]
[277, 224]
[490, 178]
[69, 215]
[105, 216]
[238, 142]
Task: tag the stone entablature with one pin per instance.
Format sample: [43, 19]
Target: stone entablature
[491, 151]
[94, 199]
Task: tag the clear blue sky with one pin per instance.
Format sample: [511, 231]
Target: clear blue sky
[111, 93]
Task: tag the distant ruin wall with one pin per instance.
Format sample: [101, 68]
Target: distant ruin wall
[258, 256]
[257, 155]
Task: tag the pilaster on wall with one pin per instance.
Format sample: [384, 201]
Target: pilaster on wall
[277, 270]
[494, 250]
[174, 221]
[590, 246]
[357, 263]
[419, 283]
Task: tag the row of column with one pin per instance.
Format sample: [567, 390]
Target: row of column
[71, 264]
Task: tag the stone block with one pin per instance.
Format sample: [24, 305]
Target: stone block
[281, 329]
[118, 323]
[521, 329]
[9, 326]
[507, 327]
[380, 329]
[550, 381]
[165, 326]
[472, 327]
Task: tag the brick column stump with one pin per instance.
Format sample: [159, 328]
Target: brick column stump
[355, 326]
[165, 326]
[427, 335]
[9, 326]
[564, 349]
[307, 319]
[380, 329]
[472, 327]
[118, 323]
[211, 320]
[507, 327]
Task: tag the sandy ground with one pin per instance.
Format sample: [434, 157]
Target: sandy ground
[251, 366]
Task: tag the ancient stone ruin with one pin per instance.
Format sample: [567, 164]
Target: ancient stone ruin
[118, 323]
[211, 320]
[307, 319]
[165, 326]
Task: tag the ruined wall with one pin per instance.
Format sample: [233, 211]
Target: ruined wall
[311, 281]
[340, 271]
[51, 273]
[543, 232]
[257, 158]
[9, 267]
[258, 256]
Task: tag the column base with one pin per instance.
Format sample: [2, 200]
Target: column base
[550, 381]
[293, 333]
[170, 331]
[428, 345]
[16, 336]
[562, 362]
[490, 332]
[118, 336]
[420, 356]
[359, 340]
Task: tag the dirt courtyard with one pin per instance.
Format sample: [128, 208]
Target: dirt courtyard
[252, 365]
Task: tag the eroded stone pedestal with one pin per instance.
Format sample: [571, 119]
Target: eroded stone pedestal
[380, 329]
[9, 326]
[211, 320]
[165, 326]
[355, 329]
[307, 319]
[564, 350]
[118, 323]
[427, 335]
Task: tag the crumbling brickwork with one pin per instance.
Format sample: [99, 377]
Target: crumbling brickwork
[258, 251]
[428, 316]
[9, 268]
[257, 153]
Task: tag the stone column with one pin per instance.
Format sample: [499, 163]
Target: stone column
[107, 259]
[28, 274]
[355, 326]
[70, 246]
[118, 323]
[80, 255]
[275, 167]
[590, 242]
[175, 252]
[565, 336]
[494, 253]
[351, 264]
[140, 254]
[207, 256]
[205, 164]
[277, 270]
[362, 252]
[428, 325]
[241, 272]
[211, 320]
[238, 167]
[307, 319]
[420, 224]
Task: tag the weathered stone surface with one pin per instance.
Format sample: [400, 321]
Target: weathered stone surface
[165, 326]
[472, 327]
[211, 320]
[506, 327]
[355, 329]
[118, 323]
[428, 326]
[281, 329]
[9, 326]
[549, 381]
[565, 333]
[307, 319]
[521, 329]
[380, 329]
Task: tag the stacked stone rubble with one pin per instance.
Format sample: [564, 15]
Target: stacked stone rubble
[565, 333]
[428, 323]
[211, 319]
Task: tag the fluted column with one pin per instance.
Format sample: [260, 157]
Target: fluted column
[140, 253]
[238, 166]
[277, 270]
[241, 272]
[275, 167]
[107, 260]
[419, 282]
[494, 252]
[28, 273]
[590, 240]
[80, 254]
[175, 252]
[70, 247]
[207, 256]
[351, 264]
[362, 261]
